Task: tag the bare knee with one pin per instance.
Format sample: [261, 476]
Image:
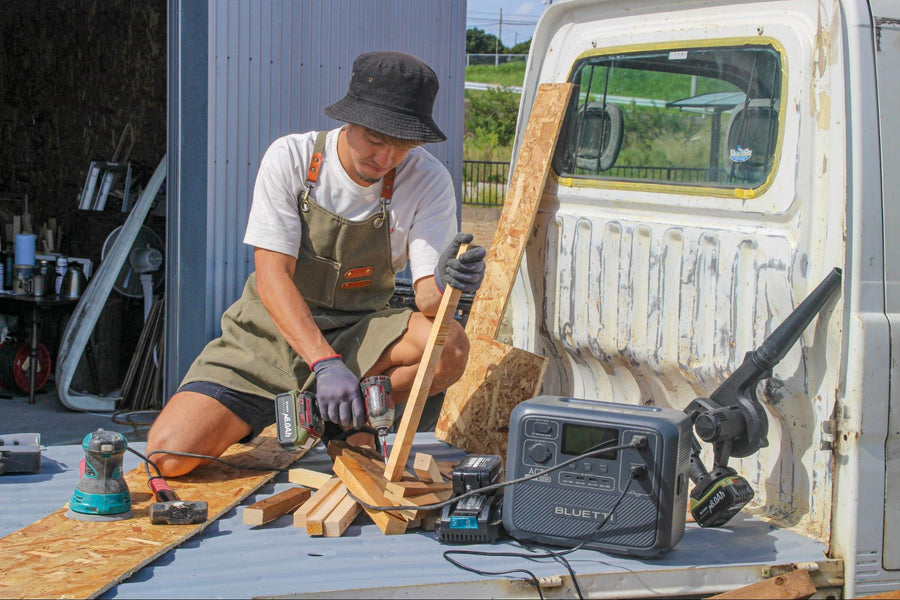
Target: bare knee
[170, 465]
[195, 424]
[453, 360]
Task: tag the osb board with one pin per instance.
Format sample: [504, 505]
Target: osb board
[58, 557]
[526, 187]
[497, 377]
[500, 378]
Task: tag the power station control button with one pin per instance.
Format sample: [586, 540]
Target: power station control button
[542, 427]
[539, 453]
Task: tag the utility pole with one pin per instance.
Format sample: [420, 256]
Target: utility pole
[497, 43]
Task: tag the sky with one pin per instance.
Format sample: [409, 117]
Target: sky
[519, 18]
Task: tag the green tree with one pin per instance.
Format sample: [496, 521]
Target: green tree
[479, 42]
[492, 114]
[521, 48]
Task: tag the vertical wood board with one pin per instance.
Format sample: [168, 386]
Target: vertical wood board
[498, 376]
[412, 413]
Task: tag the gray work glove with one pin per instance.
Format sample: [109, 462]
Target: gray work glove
[337, 393]
[465, 272]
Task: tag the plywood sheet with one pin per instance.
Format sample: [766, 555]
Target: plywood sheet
[57, 557]
[494, 383]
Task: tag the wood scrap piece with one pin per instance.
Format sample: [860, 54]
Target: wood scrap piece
[222, 487]
[318, 498]
[421, 386]
[426, 468]
[446, 467]
[421, 500]
[269, 509]
[405, 489]
[493, 385]
[341, 517]
[468, 398]
[315, 519]
[309, 478]
[362, 485]
[796, 584]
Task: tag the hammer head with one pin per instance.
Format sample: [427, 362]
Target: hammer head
[178, 512]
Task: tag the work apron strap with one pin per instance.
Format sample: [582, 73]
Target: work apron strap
[315, 167]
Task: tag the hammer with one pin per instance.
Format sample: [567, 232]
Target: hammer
[170, 510]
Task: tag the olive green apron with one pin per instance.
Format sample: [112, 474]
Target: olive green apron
[344, 272]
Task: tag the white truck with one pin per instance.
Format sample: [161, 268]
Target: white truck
[717, 160]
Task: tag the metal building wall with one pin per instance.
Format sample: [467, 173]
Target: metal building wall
[271, 67]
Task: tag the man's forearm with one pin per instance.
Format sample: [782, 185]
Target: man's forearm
[428, 296]
[287, 308]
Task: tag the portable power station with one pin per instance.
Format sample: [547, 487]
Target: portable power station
[565, 507]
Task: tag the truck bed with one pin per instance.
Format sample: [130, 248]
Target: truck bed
[233, 560]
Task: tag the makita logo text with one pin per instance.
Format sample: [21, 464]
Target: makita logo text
[580, 513]
[718, 497]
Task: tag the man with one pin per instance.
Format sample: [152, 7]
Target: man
[334, 216]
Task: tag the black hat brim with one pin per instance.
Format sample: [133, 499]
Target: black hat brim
[384, 120]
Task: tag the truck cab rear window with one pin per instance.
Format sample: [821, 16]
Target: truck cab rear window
[692, 116]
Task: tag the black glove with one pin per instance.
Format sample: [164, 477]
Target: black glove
[464, 272]
[337, 393]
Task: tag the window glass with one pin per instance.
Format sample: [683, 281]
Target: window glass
[695, 116]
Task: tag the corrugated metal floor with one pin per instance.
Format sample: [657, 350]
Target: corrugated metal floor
[232, 560]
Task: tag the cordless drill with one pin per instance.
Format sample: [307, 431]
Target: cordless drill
[101, 493]
[300, 424]
[377, 395]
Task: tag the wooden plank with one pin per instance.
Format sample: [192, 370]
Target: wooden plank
[341, 517]
[368, 459]
[309, 478]
[421, 387]
[523, 197]
[405, 489]
[796, 584]
[422, 500]
[412, 514]
[426, 468]
[361, 485]
[315, 520]
[318, 498]
[447, 467]
[505, 366]
[266, 511]
[123, 547]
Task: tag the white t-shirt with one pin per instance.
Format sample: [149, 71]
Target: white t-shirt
[422, 210]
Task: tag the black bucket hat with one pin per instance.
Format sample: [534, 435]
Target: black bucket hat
[391, 93]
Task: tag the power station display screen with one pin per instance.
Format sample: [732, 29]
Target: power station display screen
[578, 439]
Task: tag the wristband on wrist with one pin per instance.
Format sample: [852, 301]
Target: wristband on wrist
[438, 280]
[318, 360]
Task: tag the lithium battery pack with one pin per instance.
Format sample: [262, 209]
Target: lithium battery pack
[20, 453]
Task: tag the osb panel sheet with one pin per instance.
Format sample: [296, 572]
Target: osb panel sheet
[526, 187]
[500, 378]
[58, 557]
[475, 414]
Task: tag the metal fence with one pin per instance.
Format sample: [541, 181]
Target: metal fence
[494, 59]
[484, 182]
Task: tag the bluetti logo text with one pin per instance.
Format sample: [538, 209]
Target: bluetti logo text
[575, 512]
